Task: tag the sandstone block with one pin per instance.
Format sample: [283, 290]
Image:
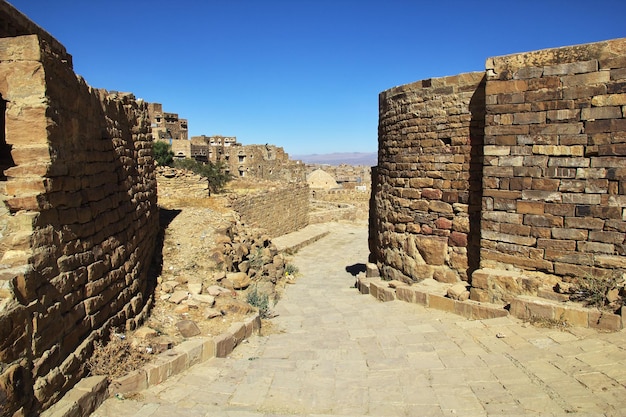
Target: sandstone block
[178, 296]
[609, 100]
[208, 349]
[546, 196]
[569, 257]
[543, 220]
[605, 320]
[440, 207]
[569, 198]
[554, 150]
[574, 316]
[504, 237]
[440, 303]
[502, 217]
[224, 345]
[593, 113]
[458, 291]
[240, 280]
[515, 260]
[496, 150]
[371, 270]
[132, 382]
[204, 299]
[596, 247]
[193, 349]
[526, 308]
[569, 233]
[530, 207]
[610, 261]
[458, 239]
[432, 249]
[238, 331]
[188, 328]
[480, 295]
[584, 223]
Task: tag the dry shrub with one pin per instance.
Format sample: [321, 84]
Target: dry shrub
[116, 358]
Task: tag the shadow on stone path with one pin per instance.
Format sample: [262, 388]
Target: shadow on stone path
[342, 353]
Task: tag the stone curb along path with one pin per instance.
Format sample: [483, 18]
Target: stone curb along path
[91, 391]
[341, 354]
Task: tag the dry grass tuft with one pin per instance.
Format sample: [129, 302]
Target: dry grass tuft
[547, 323]
[116, 358]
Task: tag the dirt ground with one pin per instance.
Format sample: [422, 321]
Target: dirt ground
[189, 220]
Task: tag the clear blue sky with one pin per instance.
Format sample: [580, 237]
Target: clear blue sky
[301, 74]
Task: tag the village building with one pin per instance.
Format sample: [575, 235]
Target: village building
[166, 126]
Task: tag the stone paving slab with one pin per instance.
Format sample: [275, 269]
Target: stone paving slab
[297, 240]
[340, 353]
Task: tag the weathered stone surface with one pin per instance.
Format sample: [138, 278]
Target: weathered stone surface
[432, 249]
[211, 313]
[239, 280]
[204, 299]
[178, 296]
[371, 270]
[145, 332]
[459, 291]
[216, 290]
[188, 328]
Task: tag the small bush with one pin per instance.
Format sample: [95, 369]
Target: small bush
[601, 292]
[256, 258]
[291, 269]
[214, 173]
[115, 358]
[162, 153]
[260, 301]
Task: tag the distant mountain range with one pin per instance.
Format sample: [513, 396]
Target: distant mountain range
[338, 158]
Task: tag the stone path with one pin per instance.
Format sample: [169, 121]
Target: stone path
[346, 354]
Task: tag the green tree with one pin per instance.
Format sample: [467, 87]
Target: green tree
[162, 153]
[215, 173]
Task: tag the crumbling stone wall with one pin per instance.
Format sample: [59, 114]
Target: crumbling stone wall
[430, 141]
[550, 173]
[81, 220]
[279, 210]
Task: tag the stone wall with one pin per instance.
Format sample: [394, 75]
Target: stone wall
[555, 173]
[80, 224]
[278, 210]
[539, 139]
[430, 142]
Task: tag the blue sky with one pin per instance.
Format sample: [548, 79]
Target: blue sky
[301, 74]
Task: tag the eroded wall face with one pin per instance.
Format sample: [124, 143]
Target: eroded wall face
[427, 189]
[83, 220]
[555, 166]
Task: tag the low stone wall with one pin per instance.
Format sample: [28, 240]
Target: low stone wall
[325, 212]
[81, 222]
[279, 210]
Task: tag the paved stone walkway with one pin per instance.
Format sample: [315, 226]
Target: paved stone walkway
[345, 354]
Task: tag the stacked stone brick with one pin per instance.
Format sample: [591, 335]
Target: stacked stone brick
[278, 210]
[541, 144]
[430, 137]
[81, 223]
[554, 174]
